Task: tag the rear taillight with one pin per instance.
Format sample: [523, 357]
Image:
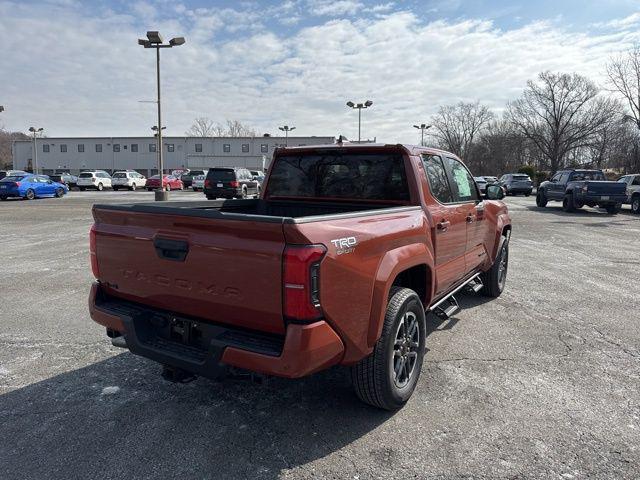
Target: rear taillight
[92, 251]
[17, 184]
[234, 183]
[301, 281]
[207, 183]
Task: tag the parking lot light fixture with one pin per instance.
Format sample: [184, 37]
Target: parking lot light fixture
[422, 127]
[35, 132]
[286, 129]
[154, 40]
[359, 106]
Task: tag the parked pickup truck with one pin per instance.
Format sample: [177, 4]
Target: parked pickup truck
[632, 183]
[337, 263]
[577, 188]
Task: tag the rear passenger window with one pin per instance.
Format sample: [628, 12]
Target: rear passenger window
[464, 187]
[437, 177]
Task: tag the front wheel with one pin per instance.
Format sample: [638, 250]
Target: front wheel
[635, 204]
[541, 199]
[388, 376]
[59, 192]
[568, 204]
[495, 278]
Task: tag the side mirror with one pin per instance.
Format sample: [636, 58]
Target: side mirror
[494, 192]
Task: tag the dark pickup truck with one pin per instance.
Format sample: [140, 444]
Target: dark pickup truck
[337, 263]
[577, 188]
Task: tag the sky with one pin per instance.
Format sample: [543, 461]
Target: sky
[75, 68]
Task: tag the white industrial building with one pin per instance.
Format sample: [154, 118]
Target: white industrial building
[139, 153]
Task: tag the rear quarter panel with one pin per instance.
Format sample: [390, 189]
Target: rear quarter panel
[355, 280]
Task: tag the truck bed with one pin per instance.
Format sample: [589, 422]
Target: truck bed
[219, 261]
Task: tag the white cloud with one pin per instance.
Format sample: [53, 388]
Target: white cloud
[84, 74]
[334, 8]
[621, 23]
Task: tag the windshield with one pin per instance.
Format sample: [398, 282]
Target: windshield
[521, 177]
[195, 173]
[86, 175]
[120, 175]
[368, 176]
[13, 178]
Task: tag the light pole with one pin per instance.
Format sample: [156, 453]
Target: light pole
[359, 106]
[35, 132]
[422, 127]
[286, 129]
[154, 40]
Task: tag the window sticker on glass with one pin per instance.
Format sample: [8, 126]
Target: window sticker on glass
[460, 176]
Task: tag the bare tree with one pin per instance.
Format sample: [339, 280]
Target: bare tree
[6, 140]
[559, 113]
[202, 127]
[624, 78]
[456, 126]
[236, 128]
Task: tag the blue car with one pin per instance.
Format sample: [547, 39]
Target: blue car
[29, 186]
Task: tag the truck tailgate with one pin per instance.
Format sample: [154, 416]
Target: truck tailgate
[224, 271]
[605, 187]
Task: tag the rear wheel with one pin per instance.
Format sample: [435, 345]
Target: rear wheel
[567, 203]
[495, 278]
[30, 195]
[388, 376]
[244, 193]
[82, 189]
[541, 199]
[3, 198]
[613, 209]
[635, 204]
[115, 189]
[59, 192]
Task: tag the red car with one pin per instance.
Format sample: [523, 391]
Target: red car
[169, 182]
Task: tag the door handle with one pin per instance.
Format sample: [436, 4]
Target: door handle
[443, 225]
[170, 249]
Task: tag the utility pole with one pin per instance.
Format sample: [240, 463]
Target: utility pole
[35, 132]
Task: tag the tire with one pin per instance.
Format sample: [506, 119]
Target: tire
[82, 189]
[210, 197]
[133, 187]
[495, 278]
[567, 203]
[243, 195]
[149, 189]
[100, 187]
[59, 192]
[115, 189]
[374, 377]
[30, 195]
[527, 194]
[3, 198]
[613, 209]
[635, 204]
[541, 199]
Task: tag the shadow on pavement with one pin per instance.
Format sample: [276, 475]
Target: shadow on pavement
[67, 426]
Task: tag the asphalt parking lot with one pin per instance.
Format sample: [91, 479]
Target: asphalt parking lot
[543, 382]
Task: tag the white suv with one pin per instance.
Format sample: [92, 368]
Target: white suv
[127, 179]
[98, 179]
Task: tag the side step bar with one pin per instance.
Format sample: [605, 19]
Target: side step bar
[448, 305]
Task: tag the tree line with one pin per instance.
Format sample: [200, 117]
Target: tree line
[561, 120]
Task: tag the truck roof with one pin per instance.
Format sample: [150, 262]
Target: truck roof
[412, 149]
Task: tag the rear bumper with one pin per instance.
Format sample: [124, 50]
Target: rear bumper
[519, 189]
[303, 350]
[11, 193]
[223, 192]
[602, 199]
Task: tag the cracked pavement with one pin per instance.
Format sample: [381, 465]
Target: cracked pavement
[543, 382]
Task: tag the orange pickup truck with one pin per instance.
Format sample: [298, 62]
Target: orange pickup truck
[338, 263]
